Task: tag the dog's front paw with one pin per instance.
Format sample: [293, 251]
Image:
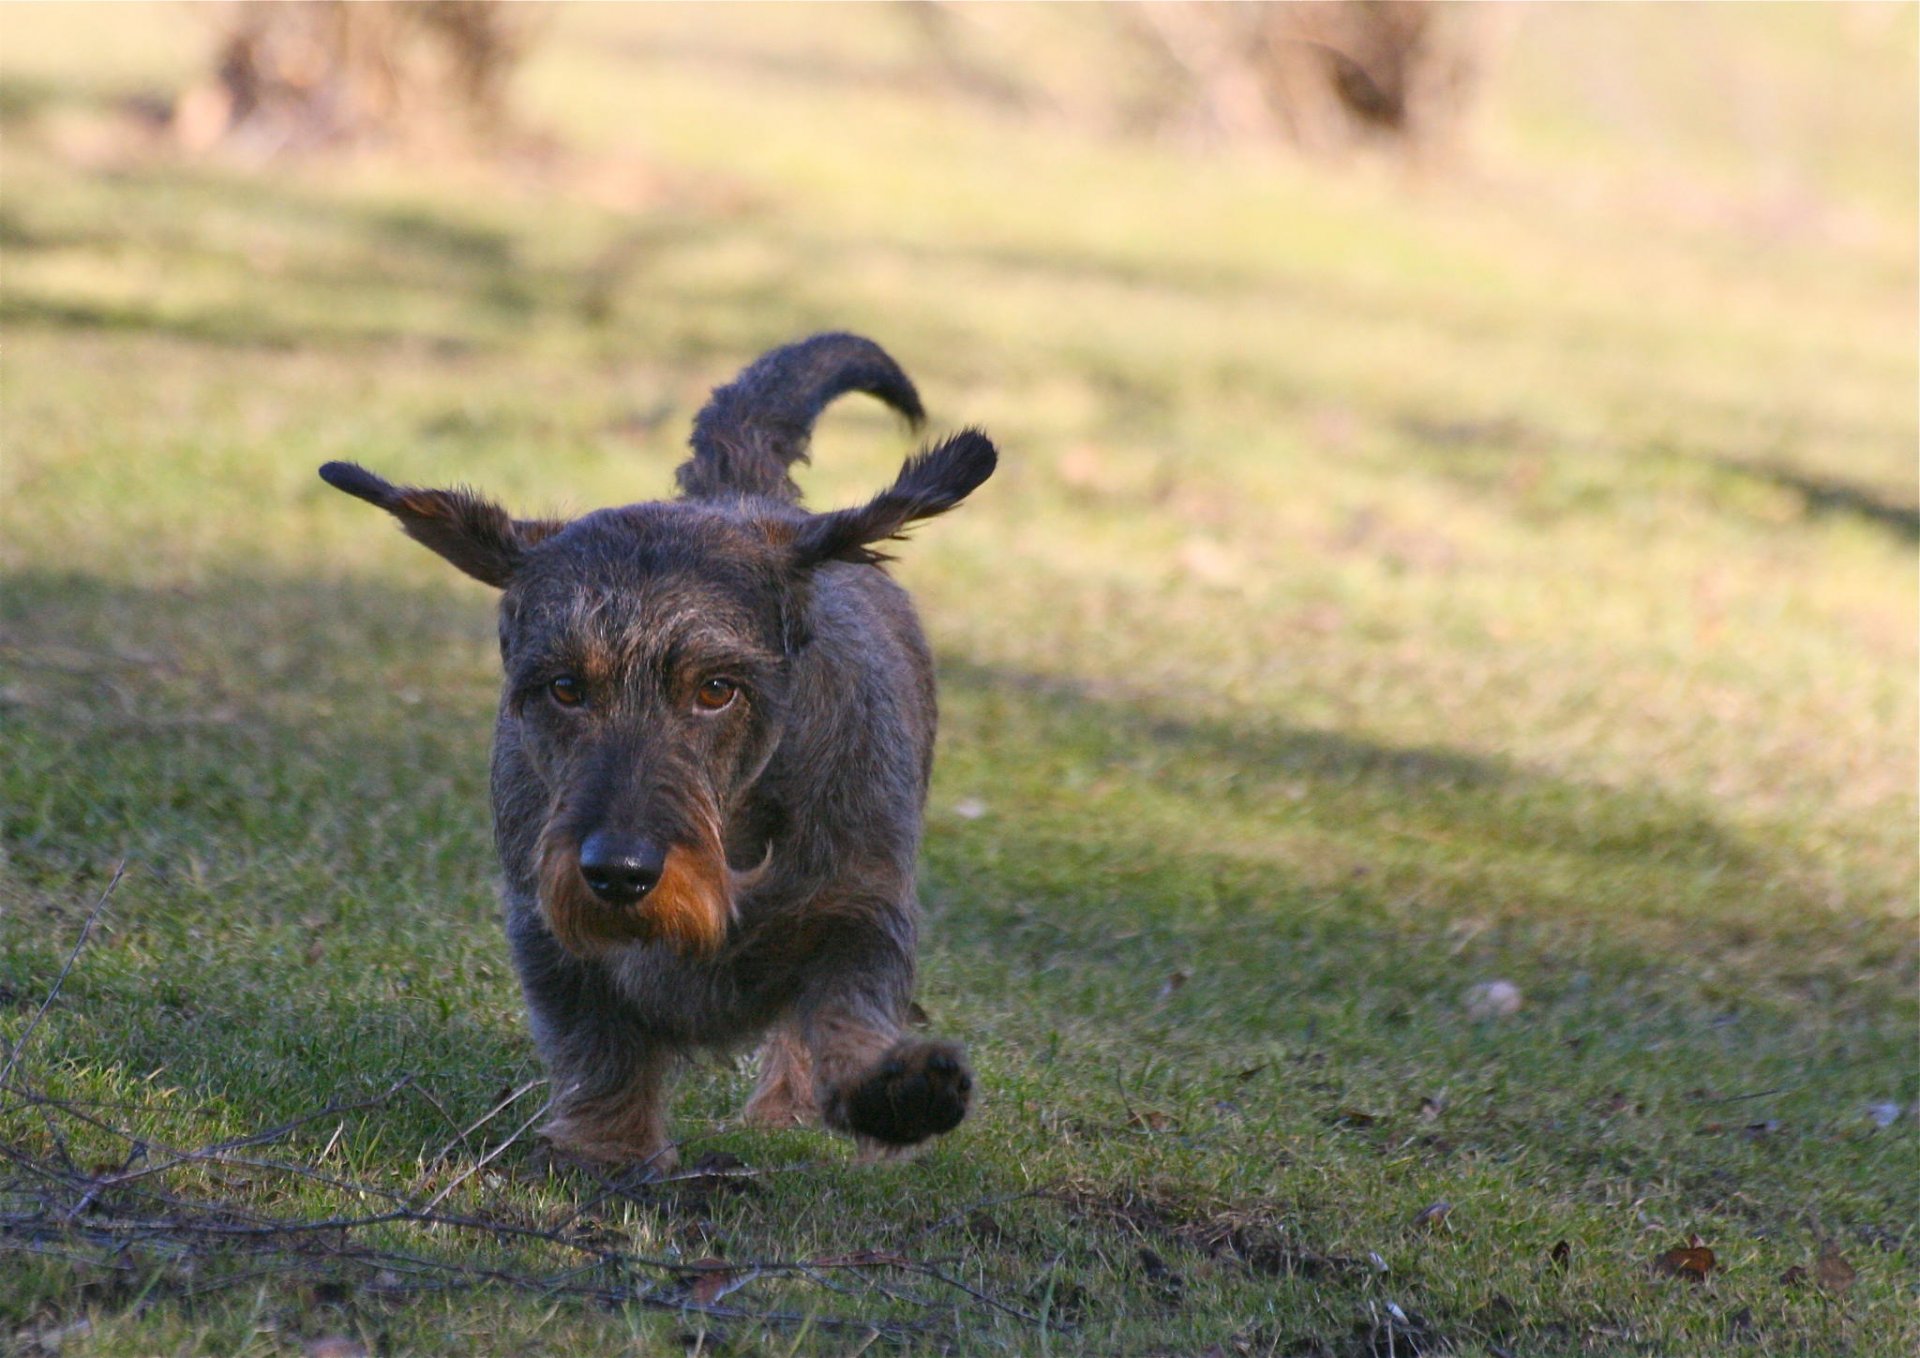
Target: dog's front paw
[576, 1142]
[919, 1089]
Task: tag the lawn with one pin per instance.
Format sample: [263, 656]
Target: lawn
[1389, 590]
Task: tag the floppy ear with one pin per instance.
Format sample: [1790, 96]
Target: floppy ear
[475, 534]
[931, 482]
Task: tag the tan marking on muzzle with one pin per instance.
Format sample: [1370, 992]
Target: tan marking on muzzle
[688, 909]
[578, 918]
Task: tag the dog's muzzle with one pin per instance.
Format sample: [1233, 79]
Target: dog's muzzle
[615, 888]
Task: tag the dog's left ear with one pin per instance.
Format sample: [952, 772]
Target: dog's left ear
[931, 482]
[474, 534]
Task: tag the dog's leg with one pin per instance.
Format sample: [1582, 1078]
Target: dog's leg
[616, 1121]
[784, 1096]
[608, 1077]
[887, 1089]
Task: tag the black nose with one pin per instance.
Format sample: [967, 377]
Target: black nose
[620, 868]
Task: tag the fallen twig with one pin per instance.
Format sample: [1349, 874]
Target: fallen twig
[86, 932]
[489, 1157]
[488, 1116]
[128, 1219]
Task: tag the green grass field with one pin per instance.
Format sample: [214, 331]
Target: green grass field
[1388, 590]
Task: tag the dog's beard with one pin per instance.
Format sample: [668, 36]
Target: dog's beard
[689, 909]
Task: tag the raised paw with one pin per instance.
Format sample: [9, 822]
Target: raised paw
[919, 1089]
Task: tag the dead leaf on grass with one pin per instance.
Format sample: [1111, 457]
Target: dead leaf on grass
[1174, 981]
[710, 1279]
[1692, 1262]
[1150, 1120]
[1832, 1271]
[985, 1227]
[1560, 1255]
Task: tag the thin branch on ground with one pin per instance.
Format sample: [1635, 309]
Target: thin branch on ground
[97, 1218]
[86, 932]
[486, 1117]
[489, 1157]
[194, 1212]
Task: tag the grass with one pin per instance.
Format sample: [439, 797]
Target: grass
[1387, 591]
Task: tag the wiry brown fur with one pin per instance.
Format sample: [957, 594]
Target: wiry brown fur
[709, 769]
[692, 905]
[784, 1095]
[581, 923]
[688, 909]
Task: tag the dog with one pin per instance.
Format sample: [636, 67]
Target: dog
[709, 770]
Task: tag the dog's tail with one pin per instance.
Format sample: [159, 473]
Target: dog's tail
[755, 428]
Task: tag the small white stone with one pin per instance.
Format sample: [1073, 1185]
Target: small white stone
[1493, 999]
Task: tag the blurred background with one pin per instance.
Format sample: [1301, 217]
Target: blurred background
[1456, 525]
[1530, 381]
[1344, 332]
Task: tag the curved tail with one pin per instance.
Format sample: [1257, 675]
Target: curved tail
[752, 431]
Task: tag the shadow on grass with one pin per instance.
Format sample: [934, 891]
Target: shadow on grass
[227, 327]
[23, 99]
[1830, 495]
[298, 769]
[1258, 766]
[1486, 453]
[372, 260]
[287, 757]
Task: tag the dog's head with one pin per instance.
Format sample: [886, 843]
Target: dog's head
[648, 651]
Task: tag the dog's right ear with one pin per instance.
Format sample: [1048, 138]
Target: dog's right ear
[475, 534]
[930, 483]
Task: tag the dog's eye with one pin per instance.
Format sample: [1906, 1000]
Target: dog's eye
[715, 694]
[567, 691]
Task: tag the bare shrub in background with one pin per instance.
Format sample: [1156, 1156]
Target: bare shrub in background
[307, 74]
[1326, 74]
